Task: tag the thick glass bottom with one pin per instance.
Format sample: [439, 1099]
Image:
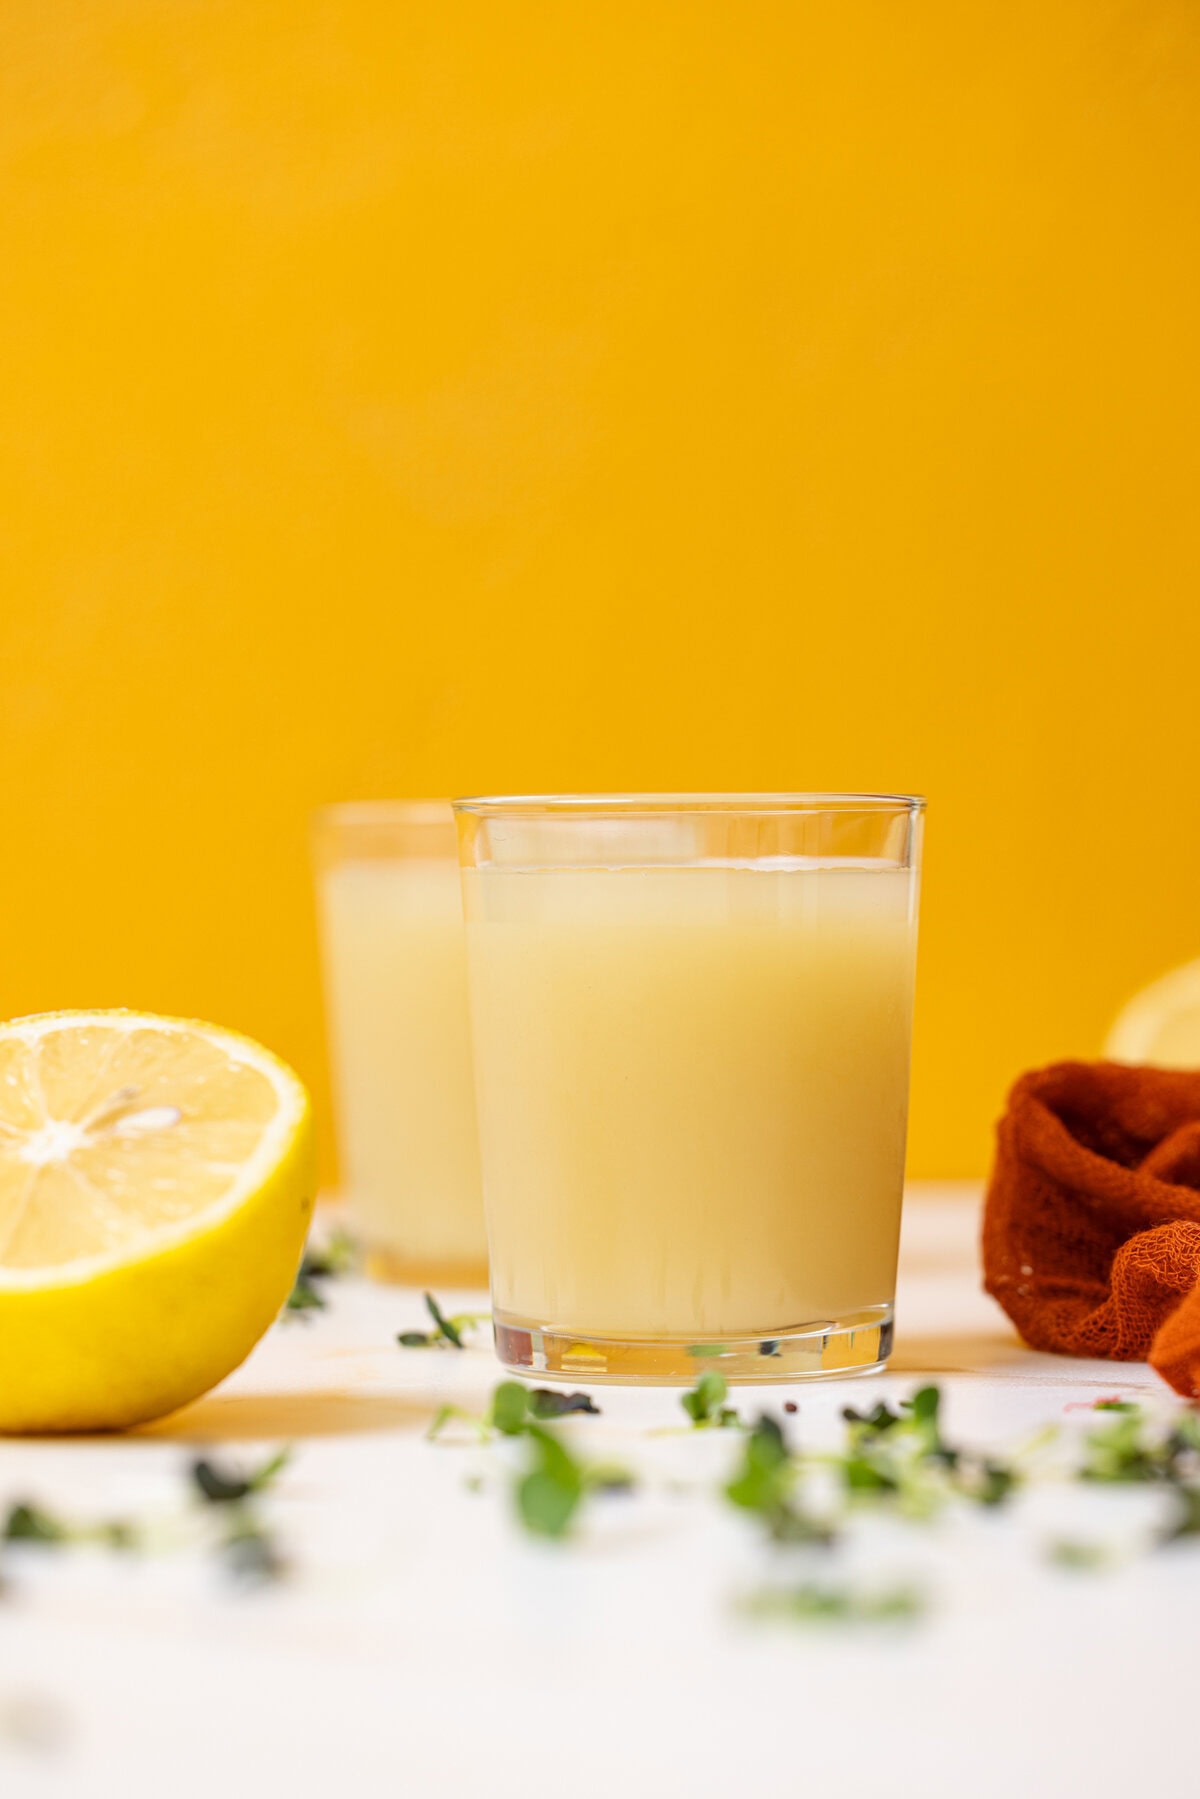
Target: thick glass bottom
[827, 1350]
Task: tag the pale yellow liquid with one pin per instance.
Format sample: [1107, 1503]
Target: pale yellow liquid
[396, 986]
[692, 1086]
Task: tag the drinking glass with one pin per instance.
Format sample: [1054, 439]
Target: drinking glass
[394, 961]
[691, 1018]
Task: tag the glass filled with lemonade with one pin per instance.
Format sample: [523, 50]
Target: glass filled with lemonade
[394, 960]
[691, 1019]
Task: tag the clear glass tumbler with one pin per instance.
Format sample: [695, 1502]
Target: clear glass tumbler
[691, 1018]
[394, 955]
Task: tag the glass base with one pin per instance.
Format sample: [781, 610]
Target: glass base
[829, 1350]
[416, 1271]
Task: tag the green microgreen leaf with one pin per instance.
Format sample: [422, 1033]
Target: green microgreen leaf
[863, 1476]
[553, 1402]
[874, 1423]
[765, 1485]
[227, 1485]
[27, 1523]
[704, 1403]
[268, 1472]
[447, 1332]
[549, 1495]
[510, 1408]
[305, 1297]
[317, 1265]
[444, 1327]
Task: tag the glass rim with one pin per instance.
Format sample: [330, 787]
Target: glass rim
[635, 804]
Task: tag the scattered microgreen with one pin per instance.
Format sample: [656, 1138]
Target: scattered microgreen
[1079, 1557]
[552, 1402]
[551, 1487]
[445, 1327]
[987, 1482]
[229, 1498]
[813, 1603]
[1186, 1522]
[549, 1494]
[609, 1479]
[510, 1408]
[705, 1403]
[304, 1298]
[28, 1523]
[227, 1485]
[903, 1454]
[766, 1485]
[318, 1265]
[1131, 1447]
[447, 1333]
[249, 1551]
[513, 1407]
[457, 1414]
[245, 1545]
[554, 1485]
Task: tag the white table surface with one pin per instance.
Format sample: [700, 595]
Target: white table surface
[423, 1645]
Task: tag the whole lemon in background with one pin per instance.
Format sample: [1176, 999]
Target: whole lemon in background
[157, 1179]
[1161, 1024]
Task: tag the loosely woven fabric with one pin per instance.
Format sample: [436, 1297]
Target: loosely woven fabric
[1091, 1232]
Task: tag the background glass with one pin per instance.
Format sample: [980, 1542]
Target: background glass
[691, 1018]
[395, 985]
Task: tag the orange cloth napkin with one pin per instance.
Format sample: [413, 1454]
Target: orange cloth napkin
[1091, 1230]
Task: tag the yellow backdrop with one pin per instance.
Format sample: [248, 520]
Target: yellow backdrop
[418, 397]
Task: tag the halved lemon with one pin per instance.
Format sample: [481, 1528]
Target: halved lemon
[1161, 1024]
[156, 1184]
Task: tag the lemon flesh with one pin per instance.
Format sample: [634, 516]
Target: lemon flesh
[1161, 1024]
[156, 1184]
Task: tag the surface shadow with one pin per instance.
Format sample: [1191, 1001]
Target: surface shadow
[231, 1417]
[963, 1352]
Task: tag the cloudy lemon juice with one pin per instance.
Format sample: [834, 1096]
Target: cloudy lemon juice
[396, 995]
[692, 1088]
